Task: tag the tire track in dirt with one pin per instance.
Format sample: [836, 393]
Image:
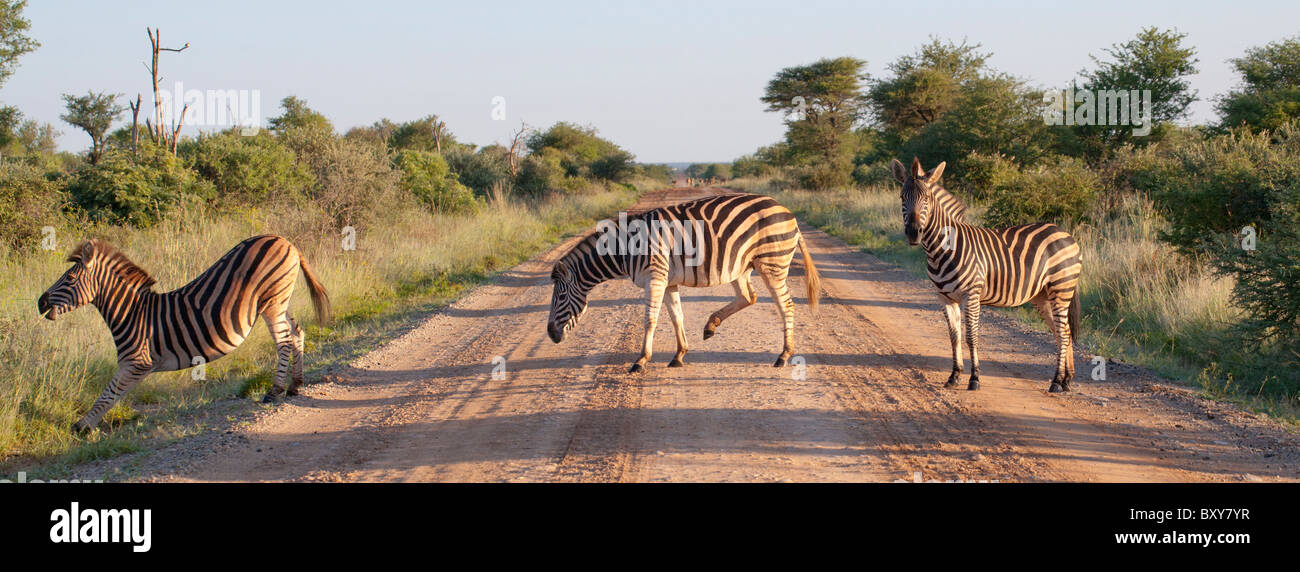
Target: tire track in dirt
[426, 407]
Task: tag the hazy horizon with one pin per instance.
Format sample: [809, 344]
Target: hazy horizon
[672, 82]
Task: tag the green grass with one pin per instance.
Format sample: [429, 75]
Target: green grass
[1142, 302]
[404, 266]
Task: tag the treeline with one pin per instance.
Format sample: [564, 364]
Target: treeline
[299, 162]
[136, 174]
[1227, 194]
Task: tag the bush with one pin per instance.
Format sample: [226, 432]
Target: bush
[1217, 186]
[136, 189]
[354, 179]
[250, 170]
[478, 170]
[824, 175]
[539, 174]
[872, 175]
[1060, 191]
[29, 201]
[427, 176]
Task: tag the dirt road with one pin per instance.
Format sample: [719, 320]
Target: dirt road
[427, 407]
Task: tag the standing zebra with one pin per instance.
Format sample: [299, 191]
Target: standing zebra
[197, 323]
[704, 242]
[973, 266]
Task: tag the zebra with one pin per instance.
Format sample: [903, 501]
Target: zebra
[972, 266]
[704, 242]
[194, 324]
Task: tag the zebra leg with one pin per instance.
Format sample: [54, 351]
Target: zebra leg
[972, 338]
[1065, 349]
[745, 297]
[674, 301]
[952, 311]
[296, 337]
[128, 374]
[780, 289]
[284, 349]
[655, 294]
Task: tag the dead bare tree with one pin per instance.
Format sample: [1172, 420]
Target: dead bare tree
[157, 127]
[515, 142]
[135, 122]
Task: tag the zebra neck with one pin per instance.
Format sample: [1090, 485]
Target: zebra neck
[119, 303]
[943, 227]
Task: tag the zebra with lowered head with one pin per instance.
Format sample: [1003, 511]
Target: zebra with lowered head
[972, 266]
[704, 242]
[194, 324]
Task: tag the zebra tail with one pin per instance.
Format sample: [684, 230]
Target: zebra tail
[1074, 318]
[812, 279]
[319, 298]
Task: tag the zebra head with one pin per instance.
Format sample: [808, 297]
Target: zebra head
[918, 196]
[77, 287]
[568, 300]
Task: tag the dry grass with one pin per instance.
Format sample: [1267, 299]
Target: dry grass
[405, 264]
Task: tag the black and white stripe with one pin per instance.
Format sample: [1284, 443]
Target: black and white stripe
[1037, 263]
[197, 323]
[736, 234]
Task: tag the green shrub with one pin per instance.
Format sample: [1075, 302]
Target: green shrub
[136, 189]
[427, 176]
[873, 175]
[479, 170]
[354, 179]
[1060, 190]
[540, 173]
[29, 201]
[251, 170]
[1209, 187]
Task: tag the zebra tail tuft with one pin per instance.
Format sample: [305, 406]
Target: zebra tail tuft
[320, 299]
[1074, 318]
[812, 279]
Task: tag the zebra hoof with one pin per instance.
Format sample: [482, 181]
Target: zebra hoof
[273, 396]
[780, 362]
[952, 382]
[973, 385]
[80, 429]
[708, 333]
[677, 362]
[636, 368]
[1057, 388]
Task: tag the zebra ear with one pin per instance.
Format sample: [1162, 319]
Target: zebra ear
[900, 172]
[937, 172]
[87, 252]
[917, 171]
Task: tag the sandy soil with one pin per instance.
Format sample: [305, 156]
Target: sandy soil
[870, 407]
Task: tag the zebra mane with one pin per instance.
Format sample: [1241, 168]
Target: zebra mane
[122, 266]
[959, 210]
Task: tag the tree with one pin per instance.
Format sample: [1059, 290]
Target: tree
[822, 101]
[1269, 94]
[425, 134]
[94, 113]
[1155, 60]
[162, 134]
[14, 41]
[297, 115]
[924, 85]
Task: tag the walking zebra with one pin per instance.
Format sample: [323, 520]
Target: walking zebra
[704, 242]
[195, 324]
[1038, 263]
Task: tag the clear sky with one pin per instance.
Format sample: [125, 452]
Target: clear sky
[669, 81]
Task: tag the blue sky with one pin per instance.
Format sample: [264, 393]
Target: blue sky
[669, 81]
